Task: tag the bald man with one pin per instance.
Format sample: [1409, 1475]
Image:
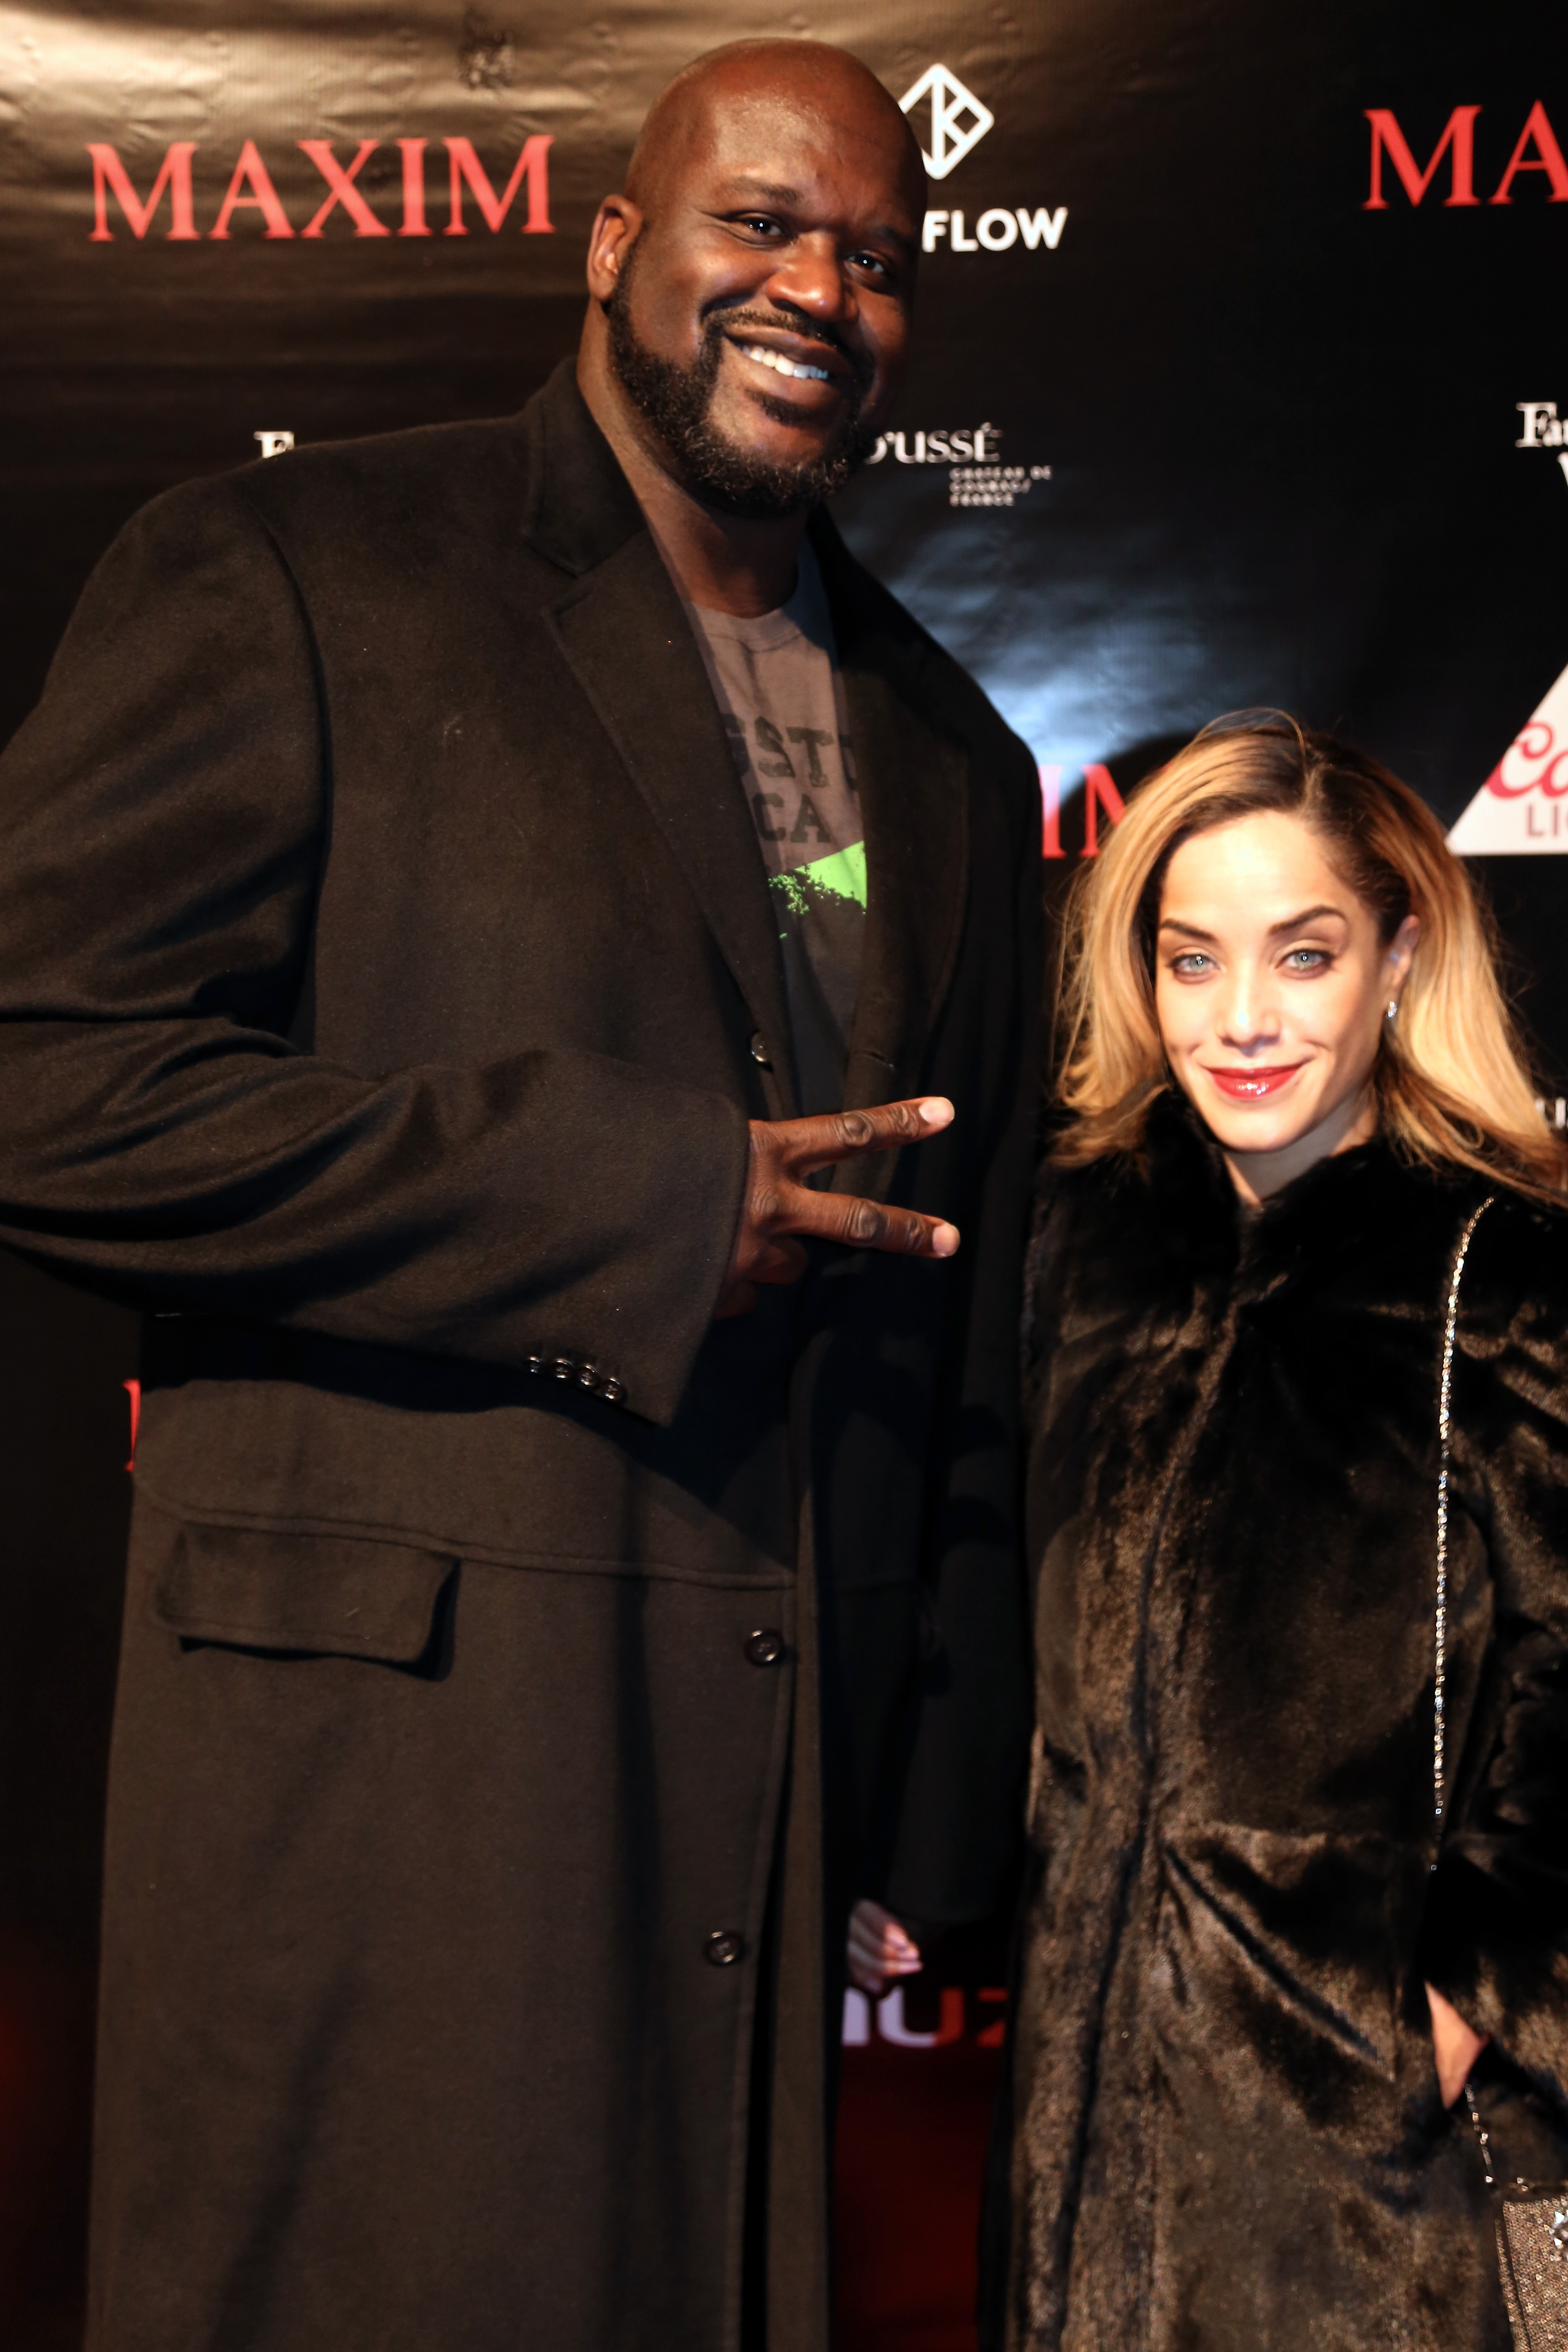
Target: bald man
[521, 958]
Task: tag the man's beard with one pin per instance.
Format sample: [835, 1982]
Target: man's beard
[675, 401]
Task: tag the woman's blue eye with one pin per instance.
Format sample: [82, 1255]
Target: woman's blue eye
[1308, 959]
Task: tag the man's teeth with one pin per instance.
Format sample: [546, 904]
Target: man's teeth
[785, 367]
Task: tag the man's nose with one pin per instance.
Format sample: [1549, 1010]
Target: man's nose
[811, 277]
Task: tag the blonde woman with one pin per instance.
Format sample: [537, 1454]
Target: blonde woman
[1256, 1974]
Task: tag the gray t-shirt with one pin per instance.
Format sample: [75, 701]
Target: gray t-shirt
[776, 682]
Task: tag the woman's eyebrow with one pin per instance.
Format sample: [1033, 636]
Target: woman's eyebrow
[1308, 915]
[1276, 930]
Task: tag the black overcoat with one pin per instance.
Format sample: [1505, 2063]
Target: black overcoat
[1228, 2129]
[386, 978]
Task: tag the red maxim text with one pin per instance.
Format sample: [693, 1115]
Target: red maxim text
[251, 189]
[1535, 150]
[1100, 793]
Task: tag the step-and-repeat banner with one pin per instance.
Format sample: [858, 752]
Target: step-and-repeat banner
[1241, 380]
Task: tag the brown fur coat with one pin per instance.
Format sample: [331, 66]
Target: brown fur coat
[1227, 2132]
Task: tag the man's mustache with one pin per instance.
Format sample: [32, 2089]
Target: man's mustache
[723, 319]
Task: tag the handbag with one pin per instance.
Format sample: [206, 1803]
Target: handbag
[1532, 2252]
[1533, 2219]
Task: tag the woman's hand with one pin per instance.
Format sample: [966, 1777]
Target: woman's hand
[1453, 2046]
[880, 1949]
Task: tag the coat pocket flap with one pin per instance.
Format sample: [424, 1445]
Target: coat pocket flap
[260, 1589]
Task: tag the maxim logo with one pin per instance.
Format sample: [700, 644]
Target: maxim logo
[949, 139]
[1519, 810]
[250, 191]
[1100, 798]
[1535, 150]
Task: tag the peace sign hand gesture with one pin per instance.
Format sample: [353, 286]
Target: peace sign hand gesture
[780, 1207]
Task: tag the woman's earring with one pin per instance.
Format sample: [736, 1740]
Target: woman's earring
[1391, 1008]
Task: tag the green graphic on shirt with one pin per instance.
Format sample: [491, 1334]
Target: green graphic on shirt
[841, 876]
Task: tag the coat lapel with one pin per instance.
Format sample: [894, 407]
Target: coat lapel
[913, 786]
[628, 642]
[622, 630]
[625, 634]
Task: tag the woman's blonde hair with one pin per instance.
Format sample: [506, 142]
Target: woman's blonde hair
[1452, 1082]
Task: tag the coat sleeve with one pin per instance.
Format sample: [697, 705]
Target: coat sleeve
[163, 820]
[1495, 1942]
[961, 1818]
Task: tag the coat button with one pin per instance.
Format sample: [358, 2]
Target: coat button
[724, 1946]
[765, 1647]
[760, 1050]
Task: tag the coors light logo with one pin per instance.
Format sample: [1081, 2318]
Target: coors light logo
[1519, 810]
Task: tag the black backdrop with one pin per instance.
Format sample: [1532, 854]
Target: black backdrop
[1270, 415]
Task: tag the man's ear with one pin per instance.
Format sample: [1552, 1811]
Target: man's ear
[616, 226]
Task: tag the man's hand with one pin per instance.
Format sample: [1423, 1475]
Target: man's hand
[779, 1205]
[880, 1949]
[1455, 2046]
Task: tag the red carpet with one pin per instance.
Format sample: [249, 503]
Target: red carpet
[913, 2128]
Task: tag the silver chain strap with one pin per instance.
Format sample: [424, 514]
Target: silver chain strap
[1444, 1395]
[1482, 2135]
[1536, 2230]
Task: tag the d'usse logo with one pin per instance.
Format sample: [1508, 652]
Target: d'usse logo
[252, 195]
[1535, 150]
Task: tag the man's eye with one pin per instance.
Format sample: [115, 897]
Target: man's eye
[760, 222]
[868, 261]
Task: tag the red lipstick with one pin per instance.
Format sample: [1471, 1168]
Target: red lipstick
[1253, 1085]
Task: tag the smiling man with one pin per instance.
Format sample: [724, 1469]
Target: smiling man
[514, 950]
[753, 291]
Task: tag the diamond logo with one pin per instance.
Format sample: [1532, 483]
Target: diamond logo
[958, 120]
[1519, 810]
